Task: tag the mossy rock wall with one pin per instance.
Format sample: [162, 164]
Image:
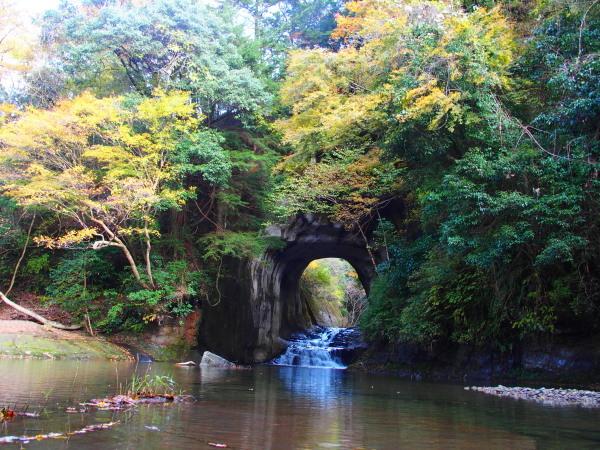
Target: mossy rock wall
[174, 339]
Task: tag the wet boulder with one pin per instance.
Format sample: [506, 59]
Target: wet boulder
[352, 344]
[212, 360]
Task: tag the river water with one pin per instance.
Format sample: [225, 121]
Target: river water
[281, 408]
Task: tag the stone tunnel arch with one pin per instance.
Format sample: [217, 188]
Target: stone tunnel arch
[296, 258]
[260, 298]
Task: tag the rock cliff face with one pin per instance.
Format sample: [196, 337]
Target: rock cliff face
[260, 298]
[562, 359]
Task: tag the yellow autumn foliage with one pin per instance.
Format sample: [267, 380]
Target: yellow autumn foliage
[423, 60]
[98, 163]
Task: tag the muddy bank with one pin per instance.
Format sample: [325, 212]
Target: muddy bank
[173, 339]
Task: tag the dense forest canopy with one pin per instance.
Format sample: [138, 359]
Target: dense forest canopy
[150, 140]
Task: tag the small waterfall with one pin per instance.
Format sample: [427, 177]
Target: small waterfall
[314, 348]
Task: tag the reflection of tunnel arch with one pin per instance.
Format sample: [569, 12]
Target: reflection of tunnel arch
[261, 300]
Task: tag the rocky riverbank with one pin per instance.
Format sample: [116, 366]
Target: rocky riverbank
[569, 361]
[550, 397]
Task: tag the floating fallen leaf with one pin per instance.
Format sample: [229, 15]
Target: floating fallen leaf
[212, 444]
[41, 437]
[6, 414]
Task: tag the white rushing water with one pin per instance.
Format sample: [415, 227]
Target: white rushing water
[313, 349]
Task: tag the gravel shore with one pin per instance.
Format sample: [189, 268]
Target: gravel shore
[550, 397]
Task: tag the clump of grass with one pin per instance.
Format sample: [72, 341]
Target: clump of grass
[151, 386]
[142, 389]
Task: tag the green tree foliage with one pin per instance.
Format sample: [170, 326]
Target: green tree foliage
[179, 45]
[78, 282]
[165, 44]
[138, 141]
[280, 25]
[566, 74]
[334, 294]
[11, 235]
[149, 135]
[108, 167]
[494, 141]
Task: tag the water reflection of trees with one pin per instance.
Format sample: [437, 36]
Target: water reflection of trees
[296, 407]
[286, 407]
[320, 407]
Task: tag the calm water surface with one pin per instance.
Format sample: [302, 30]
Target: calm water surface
[282, 407]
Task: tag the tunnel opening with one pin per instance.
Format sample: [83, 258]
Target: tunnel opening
[333, 293]
[298, 313]
[332, 298]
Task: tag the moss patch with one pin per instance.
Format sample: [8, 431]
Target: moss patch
[20, 345]
[177, 350]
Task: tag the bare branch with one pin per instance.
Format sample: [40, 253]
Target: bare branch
[37, 317]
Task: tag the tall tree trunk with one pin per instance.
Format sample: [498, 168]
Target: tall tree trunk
[14, 275]
[147, 258]
[132, 263]
[367, 246]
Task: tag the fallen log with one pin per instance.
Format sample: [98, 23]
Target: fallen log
[39, 318]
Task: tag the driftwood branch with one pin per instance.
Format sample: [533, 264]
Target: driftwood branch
[37, 317]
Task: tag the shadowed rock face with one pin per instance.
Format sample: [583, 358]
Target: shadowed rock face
[261, 301]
